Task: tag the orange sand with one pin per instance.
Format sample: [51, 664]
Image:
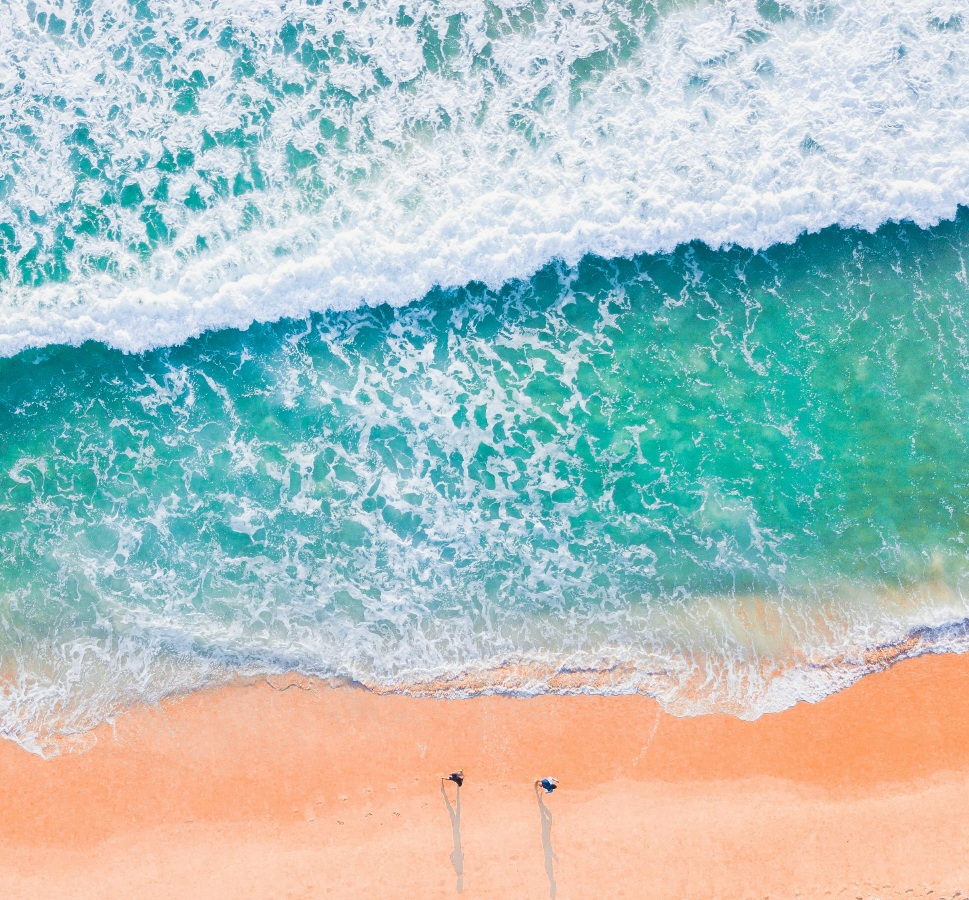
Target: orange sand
[251, 792]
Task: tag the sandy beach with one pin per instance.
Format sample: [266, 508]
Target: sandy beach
[314, 790]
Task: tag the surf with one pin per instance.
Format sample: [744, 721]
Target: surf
[732, 480]
[171, 169]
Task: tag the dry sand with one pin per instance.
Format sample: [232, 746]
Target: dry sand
[253, 792]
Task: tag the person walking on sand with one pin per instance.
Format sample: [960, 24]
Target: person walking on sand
[457, 855]
[548, 784]
[456, 777]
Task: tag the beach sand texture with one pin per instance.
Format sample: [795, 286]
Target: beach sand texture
[256, 792]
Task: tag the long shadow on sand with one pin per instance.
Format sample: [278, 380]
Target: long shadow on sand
[550, 857]
[457, 855]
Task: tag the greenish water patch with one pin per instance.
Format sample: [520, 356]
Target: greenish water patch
[591, 462]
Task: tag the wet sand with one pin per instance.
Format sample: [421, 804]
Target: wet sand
[252, 791]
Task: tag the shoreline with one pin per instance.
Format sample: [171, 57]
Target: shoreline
[252, 791]
[802, 677]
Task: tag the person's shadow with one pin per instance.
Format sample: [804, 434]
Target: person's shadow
[550, 857]
[457, 855]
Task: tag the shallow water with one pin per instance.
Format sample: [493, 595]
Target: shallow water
[602, 467]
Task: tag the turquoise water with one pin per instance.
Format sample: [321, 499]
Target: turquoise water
[594, 468]
[504, 347]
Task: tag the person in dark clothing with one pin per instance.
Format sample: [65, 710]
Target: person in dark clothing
[456, 777]
[548, 784]
[454, 812]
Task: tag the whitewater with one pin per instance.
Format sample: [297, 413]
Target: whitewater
[166, 169]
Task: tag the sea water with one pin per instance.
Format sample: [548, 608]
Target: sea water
[464, 347]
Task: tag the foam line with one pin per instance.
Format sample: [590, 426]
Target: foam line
[206, 166]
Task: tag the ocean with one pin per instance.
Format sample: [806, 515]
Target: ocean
[463, 347]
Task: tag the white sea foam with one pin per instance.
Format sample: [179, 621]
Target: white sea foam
[467, 142]
[709, 660]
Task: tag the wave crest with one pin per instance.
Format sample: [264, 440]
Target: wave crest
[213, 167]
